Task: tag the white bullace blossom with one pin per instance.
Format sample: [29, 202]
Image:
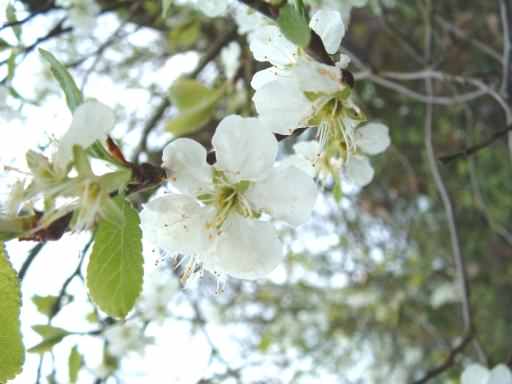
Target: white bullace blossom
[221, 218]
[230, 58]
[159, 289]
[328, 24]
[368, 139]
[92, 121]
[126, 337]
[477, 374]
[82, 13]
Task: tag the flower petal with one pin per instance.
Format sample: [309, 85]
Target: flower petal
[245, 149]
[92, 121]
[177, 224]
[269, 44]
[266, 76]
[248, 249]
[328, 24]
[500, 375]
[359, 171]
[287, 194]
[317, 77]
[185, 162]
[373, 138]
[475, 374]
[282, 106]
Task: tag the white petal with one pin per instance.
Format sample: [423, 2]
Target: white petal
[177, 224]
[475, 374]
[343, 61]
[248, 249]
[328, 24]
[245, 149]
[282, 106]
[373, 138]
[287, 194]
[185, 162]
[269, 44]
[230, 57]
[91, 121]
[317, 77]
[266, 76]
[212, 8]
[500, 375]
[359, 171]
[311, 150]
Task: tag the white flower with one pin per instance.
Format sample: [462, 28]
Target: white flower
[248, 19]
[125, 338]
[82, 13]
[218, 222]
[92, 121]
[159, 290]
[477, 374]
[211, 8]
[443, 294]
[328, 24]
[230, 58]
[269, 44]
[369, 139]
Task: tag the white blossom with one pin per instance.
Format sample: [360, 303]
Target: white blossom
[218, 222]
[230, 58]
[125, 338]
[92, 121]
[328, 24]
[477, 374]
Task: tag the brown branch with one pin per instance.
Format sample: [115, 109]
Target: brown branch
[448, 362]
[475, 148]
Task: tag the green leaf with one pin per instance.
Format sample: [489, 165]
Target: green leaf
[115, 270]
[196, 104]
[99, 151]
[185, 93]
[44, 304]
[11, 65]
[294, 26]
[74, 364]
[12, 352]
[166, 6]
[66, 82]
[184, 34]
[10, 14]
[51, 336]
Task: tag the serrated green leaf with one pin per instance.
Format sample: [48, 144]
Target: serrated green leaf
[166, 6]
[74, 364]
[51, 336]
[66, 82]
[12, 352]
[294, 26]
[115, 270]
[44, 304]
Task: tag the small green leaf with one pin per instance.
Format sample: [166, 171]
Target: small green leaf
[188, 93]
[10, 14]
[196, 103]
[184, 34]
[44, 304]
[11, 65]
[51, 336]
[294, 26]
[12, 352]
[166, 6]
[74, 364]
[115, 270]
[99, 151]
[66, 82]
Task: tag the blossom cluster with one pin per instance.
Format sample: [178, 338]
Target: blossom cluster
[221, 215]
